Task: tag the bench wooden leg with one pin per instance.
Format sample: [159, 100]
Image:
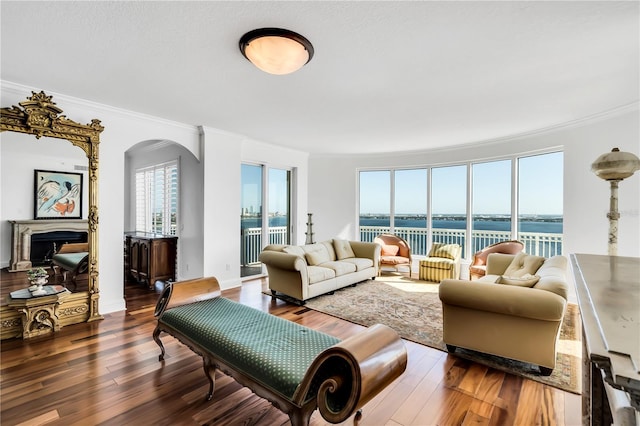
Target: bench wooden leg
[210, 372]
[301, 416]
[156, 338]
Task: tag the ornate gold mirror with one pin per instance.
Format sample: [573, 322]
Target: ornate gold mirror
[39, 116]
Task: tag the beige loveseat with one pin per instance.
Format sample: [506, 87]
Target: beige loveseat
[514, 311]
[303, 272]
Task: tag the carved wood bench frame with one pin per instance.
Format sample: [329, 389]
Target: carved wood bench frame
[374, 358]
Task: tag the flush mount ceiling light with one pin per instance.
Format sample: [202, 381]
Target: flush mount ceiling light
[276, 51]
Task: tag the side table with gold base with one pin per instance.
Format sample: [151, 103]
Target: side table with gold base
[39, 314]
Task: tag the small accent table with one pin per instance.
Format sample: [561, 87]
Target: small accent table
[38, 313]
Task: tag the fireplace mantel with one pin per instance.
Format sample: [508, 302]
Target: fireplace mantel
[21, 231]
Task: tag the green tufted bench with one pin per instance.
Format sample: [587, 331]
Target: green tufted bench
[294, 367]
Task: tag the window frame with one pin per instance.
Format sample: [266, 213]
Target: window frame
[514, 187]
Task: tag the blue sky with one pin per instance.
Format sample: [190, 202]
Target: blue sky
[252, 188]
[540, 188]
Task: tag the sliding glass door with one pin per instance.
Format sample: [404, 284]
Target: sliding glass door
[250, 220]
[269, 189]
[279, 206]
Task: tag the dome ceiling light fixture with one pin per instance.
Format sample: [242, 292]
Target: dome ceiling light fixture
[275, 50]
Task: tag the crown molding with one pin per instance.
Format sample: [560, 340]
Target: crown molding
[23, 90]
[584, 121]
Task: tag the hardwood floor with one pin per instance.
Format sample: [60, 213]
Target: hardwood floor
[107, 372]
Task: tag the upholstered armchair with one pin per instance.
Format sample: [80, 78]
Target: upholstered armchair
[478, 266]
[395, 252]
[442, 262]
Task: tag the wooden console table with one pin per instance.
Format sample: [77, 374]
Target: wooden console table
[608, 290]
[150, 257]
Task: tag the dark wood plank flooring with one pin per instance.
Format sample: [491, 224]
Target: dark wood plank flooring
[107, 373]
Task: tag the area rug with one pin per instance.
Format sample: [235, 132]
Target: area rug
[413, 309]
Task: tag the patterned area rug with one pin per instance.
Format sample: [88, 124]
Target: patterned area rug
[413, 309]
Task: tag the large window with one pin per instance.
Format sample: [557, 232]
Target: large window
[491, 202]
[449, 204]
[157, 198]
[540, 178]
[410, 207]
[471, 204]
[375, 200]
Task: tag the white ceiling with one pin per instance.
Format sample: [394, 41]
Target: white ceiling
[386, 76]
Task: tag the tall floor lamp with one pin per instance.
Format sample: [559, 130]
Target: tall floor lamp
[615, 166]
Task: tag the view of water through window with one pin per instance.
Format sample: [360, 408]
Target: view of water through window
[539, 204]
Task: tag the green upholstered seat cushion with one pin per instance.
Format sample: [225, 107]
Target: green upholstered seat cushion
[69, 260]
[272, 350]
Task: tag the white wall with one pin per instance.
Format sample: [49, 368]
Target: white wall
[217, 224]
[587, 196]
[332, 180]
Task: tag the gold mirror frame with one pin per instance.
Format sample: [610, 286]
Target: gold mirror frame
[39, 116]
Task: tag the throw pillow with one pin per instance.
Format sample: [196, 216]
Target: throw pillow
[527, 280]
[389, 250]
[329, 246]
[523, 264]
[316, 254]
[297, 250]
[343, 249]
[448, 251]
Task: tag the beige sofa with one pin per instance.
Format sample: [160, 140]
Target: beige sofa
[303, 272]
[507, 312]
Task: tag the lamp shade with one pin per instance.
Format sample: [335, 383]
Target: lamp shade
[275, 50]
[615, 165]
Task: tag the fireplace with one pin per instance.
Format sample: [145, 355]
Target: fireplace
[32, 240]
[46, 244]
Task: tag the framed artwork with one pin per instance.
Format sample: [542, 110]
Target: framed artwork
[58, 195]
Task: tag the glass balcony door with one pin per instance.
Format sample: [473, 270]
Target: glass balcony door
[265, 213]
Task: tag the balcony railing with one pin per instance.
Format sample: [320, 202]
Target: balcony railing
[537, 243]
[251, 242]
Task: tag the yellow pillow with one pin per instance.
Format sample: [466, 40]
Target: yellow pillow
[447, 251]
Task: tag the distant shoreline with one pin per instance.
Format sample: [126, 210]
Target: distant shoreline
[462, 218]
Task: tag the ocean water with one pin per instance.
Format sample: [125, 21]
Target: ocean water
[420, 245]
[551, 225]
[486, 224]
